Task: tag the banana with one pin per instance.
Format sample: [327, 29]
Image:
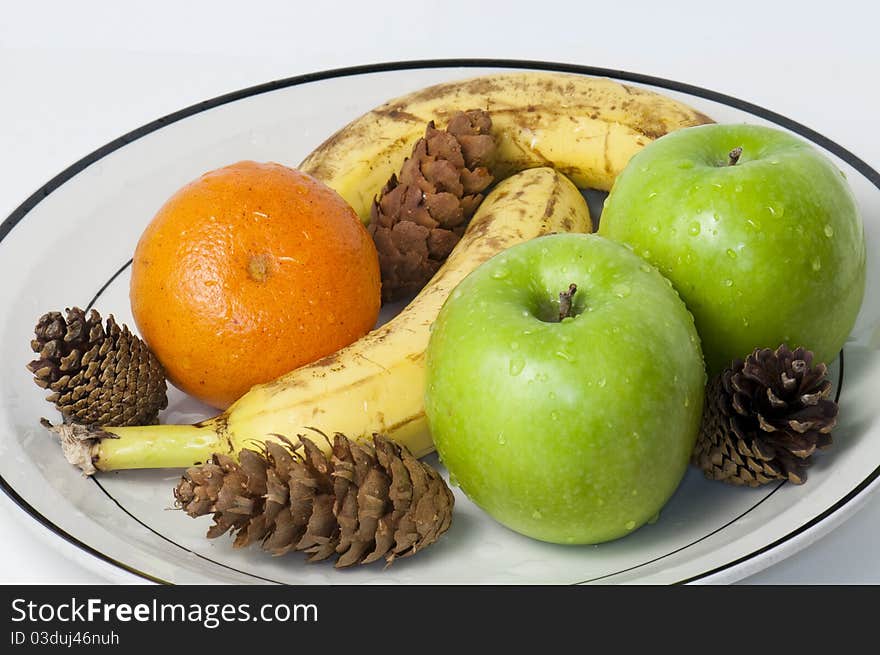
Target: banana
[374, 385]
[585, 127]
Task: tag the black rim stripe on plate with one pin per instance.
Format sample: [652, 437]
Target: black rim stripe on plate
[32, 201]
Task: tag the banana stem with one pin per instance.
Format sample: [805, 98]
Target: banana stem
[148, 446]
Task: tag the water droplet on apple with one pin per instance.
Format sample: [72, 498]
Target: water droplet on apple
[687, 401]
[746, 322]
[500, 273]
[731, 253]
[615, 330]
[716, 217]
[776, 209]
[456, 294]
[738, 188]
[817, 263]
[636, 435]
[514, 345]
[630, 525]
[644, 267]
[829, 231]
[537, 515]
[564, 355]
[517, 364]
[554, 416]
[728, 283]
[654, 229]
[621, 290]
[601, 382]
[635, 492]
[501, 440]
[694, 229]
[652, 195]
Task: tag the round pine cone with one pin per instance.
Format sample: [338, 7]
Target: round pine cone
[364, 503]
[98, 375]
[764, 417]
[420, 216]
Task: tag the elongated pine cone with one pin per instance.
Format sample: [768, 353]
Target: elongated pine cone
[765, 417]
[97, 375]
[420, 215]
[364, 503]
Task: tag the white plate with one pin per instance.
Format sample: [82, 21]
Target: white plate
[69, 244]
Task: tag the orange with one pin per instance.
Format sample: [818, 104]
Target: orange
[249, 272]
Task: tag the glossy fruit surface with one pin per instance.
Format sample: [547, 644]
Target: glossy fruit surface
[572, 431]
[248, 272]
[768, 250]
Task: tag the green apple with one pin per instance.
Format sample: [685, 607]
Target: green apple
[757, 230]
[575, 430]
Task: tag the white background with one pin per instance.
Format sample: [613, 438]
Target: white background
[75, 75]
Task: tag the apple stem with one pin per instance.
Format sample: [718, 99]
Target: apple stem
[565, 301]
[734, 155]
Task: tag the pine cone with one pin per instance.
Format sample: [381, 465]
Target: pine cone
[97, 375]
[365, 503]
[764, 417]
[419, 217]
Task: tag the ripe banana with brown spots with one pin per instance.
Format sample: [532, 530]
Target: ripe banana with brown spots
[376, 384]
[585, 127]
